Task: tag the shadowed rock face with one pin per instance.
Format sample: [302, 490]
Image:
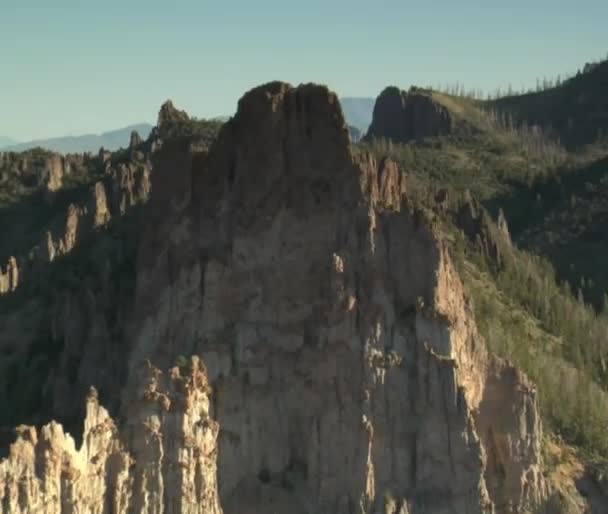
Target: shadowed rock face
[402, 116]
[121, 186]
[346, 371]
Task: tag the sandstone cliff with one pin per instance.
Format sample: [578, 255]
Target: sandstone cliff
[346, 370]
[403, 116]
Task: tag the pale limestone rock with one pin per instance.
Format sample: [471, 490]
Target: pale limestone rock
[70, 237]
[130, 185]
[163, 460]
[54, 172]
[101, 211]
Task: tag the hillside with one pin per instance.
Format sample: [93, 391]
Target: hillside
[576, 111]
[111, 140]
[563, 217]
[416, 114]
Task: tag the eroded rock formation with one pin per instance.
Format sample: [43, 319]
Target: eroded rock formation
[403, 116]
[492, 238]
[39, 168]
[162, 459]
[122, 184]
[9, 279]
[347, 371]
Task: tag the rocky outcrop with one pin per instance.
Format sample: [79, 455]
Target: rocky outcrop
[40, 168]
[349, 375]
[401, 116]
[9, 279]
[492, 238]
[121, 184]
[347, 372]
[125, 186]
[99, 205]
[67, 326]
[170, 120]
[135, 140]
[53, 173]
[162, 458]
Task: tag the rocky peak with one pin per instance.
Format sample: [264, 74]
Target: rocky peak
[9, 280]
[135, 140]
[333, 324]
[273, 145]
[169, 113]
[343, 368]
[169, 117]
[403, 116]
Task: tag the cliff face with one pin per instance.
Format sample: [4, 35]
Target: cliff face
[575, 111]
[163, 459]
[403, 116]
[346, 370]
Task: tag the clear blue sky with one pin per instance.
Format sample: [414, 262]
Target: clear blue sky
[70, 67]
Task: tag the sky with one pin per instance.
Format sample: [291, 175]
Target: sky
[69, 67]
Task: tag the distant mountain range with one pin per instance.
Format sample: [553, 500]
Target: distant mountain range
[6, 141]
[112, 140]
[357, 111]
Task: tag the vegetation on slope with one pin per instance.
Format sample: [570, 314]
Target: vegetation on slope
[559, 342]
[529, 313]
[563, 217]
[576, 111]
